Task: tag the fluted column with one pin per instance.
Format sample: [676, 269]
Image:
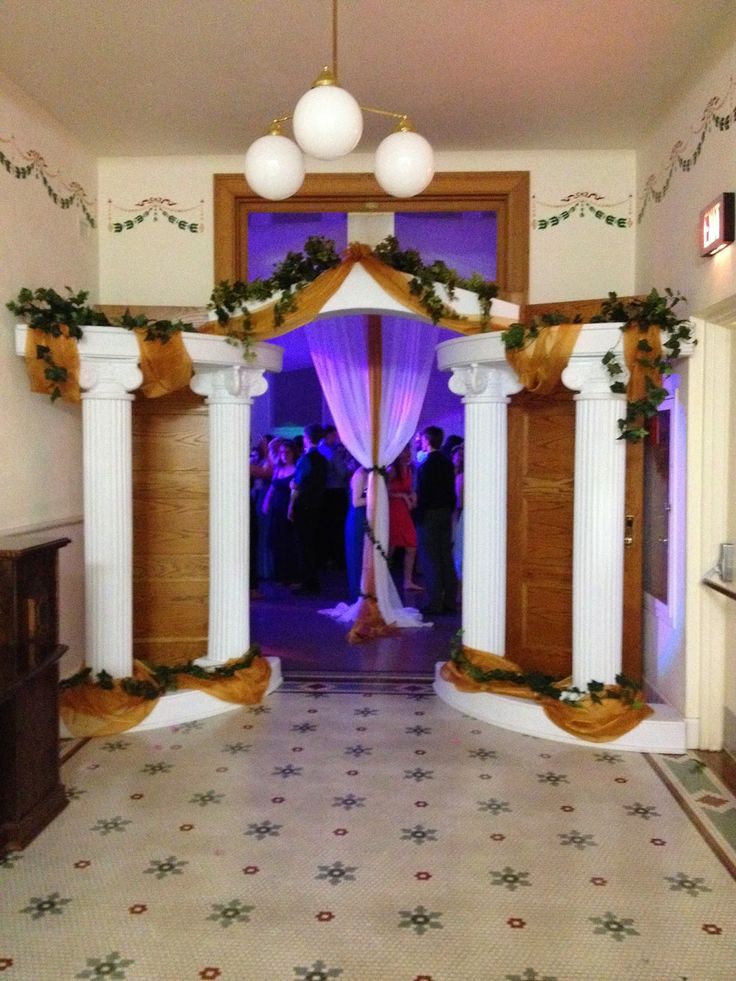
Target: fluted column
[229, 394]
[598, 523]
[485, 390]
[108, 511]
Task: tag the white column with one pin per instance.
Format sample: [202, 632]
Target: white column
[229, 393]
[485, 392]
[108, 512]
[598, 523]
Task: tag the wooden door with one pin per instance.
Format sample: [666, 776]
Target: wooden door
[540, 520]
[540, 538]
[170, 528]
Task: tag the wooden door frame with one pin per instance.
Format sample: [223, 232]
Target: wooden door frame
[505, 192]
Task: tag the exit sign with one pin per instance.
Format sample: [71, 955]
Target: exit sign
[717, 225]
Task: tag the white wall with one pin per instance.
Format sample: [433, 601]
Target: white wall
[42, 245]
[157, 263]
[668, 255]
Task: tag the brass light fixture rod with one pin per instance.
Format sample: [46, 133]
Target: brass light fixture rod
[329, 76]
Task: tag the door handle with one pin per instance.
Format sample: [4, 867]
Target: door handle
[629, 536]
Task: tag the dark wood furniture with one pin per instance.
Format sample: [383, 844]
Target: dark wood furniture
[31, 792]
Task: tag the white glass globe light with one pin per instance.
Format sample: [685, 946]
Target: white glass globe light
[327, 122]
[404, 164]
[274, 167]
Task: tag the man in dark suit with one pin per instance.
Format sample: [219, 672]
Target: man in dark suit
[435, 505]
[305, 507]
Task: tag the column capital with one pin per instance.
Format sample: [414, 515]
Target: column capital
[589, 377]
[108, 378]
[235, 383]
[477, 382]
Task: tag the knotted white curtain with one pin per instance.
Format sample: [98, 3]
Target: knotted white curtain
[340, 352]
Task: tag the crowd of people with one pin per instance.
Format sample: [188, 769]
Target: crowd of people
[308, 513]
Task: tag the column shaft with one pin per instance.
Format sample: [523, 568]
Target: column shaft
[229, 620]
[598, 557]
[108, 514]
[485, 390]
[229, 395]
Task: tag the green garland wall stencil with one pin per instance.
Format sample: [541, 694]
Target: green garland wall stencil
[718, 114]
[153, 208]
[22, 165]
[581, 203]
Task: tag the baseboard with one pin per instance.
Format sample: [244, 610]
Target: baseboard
[729, 732]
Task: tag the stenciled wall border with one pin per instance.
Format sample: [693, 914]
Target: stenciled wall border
[581, 203]
[23, 164]
[154, 207]
[682, 157]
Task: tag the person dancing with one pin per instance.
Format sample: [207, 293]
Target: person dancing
[401, 502]
[435, 506]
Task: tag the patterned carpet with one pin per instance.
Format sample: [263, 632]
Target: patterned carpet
[339, 832]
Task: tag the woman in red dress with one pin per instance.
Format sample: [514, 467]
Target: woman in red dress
[401, 502]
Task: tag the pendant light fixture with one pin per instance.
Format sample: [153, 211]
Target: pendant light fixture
[328, 123]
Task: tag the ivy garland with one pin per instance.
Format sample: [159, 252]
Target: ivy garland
[299, 269]
[47, 310]
[163, 678]
[640, 314]
[547, 686]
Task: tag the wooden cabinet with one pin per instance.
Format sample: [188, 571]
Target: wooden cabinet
[31, 792]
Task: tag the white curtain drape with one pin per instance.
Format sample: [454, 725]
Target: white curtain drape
[339, 349]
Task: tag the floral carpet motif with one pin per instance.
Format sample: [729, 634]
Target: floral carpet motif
[371, 835]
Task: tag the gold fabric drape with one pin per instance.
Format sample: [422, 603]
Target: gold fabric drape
[586, 719]
[369, 622]
[166, 366]
[636, 388]
[64, 353]
[311, 299]
[244, 687]
[539, 365]
[90, 710]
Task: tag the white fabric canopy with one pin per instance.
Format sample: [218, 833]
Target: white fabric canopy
[339, 349]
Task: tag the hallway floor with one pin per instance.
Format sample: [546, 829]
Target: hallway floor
[312, 644]
[371, 833]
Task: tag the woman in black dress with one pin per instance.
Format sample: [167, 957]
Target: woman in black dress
[281, 534]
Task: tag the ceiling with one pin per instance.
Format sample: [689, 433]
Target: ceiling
[140, 77]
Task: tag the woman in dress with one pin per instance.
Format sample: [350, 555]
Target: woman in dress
[281, 533]
[401, 502]
[458, 462]
[355, 531]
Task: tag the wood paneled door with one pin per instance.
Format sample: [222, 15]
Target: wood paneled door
[170, 528]
[540, 538]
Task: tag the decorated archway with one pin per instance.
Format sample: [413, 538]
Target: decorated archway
[112, 364]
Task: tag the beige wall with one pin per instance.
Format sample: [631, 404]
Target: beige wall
[42, 245]
[157, 263]
[668, 255]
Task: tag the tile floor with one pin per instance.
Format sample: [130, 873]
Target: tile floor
[371, 833]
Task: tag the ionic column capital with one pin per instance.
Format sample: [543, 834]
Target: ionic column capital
[107, 378]
[590, 378]
[478, 382]
[235, 383]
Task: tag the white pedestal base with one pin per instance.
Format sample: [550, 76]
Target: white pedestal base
[663, 732]
[178, 707]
